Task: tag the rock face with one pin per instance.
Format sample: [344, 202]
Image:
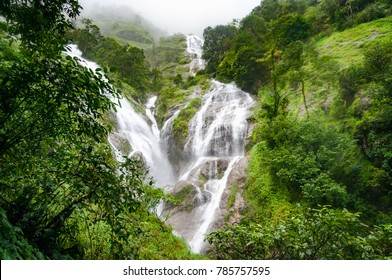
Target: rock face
[232, 214]
[120, 145]
[209, 184]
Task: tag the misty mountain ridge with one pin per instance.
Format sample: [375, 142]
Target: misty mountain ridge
[124, 24]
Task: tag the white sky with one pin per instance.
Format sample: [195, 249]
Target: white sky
[184, 16]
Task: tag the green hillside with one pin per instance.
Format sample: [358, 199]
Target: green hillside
[125, 25]
[126, 33]
[347, 46]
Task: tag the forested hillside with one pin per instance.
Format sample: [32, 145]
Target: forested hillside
[319, 177]
[319, 184]
[63, 195]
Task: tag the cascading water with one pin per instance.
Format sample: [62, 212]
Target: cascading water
[134, 129]
[214, 148]
[145, 140]
[194, 49]
[216, 140]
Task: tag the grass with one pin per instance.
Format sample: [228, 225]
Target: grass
[346, 46]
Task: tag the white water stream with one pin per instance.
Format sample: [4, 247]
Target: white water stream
[142, 137]
[215, 144]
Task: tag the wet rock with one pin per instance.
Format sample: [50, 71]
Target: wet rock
[214, 169]
[232, 214]
[139, 157]
[182, 215]
[120, 143]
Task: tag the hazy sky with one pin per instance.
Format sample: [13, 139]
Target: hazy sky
[185, 16]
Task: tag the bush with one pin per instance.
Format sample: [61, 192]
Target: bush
[308, 234]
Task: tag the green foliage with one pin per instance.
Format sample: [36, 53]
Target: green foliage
[134, 35]
[373, 127]
[289, 29]
[232, 196]
[168, 52]
[308, 234]
[168, 98]
[125, 26]
[309, 158]
[339, 154]
[349, 80]
[13, 245]
[347, 46]
[372, 12]
[122, 62]
[40, 24]
[249, 54]
[181, 122]
[217, 41]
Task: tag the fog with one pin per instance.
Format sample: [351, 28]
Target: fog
[184, 16]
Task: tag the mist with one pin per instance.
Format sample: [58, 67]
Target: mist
[180, 16]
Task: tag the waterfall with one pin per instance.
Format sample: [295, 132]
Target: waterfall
[213, 149]
[150, 106]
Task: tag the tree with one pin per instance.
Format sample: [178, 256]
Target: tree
[126, 61]
[217, 41]
[41, 25]
[289, 29]
[88, 38]
[293, 59]
[242, 63]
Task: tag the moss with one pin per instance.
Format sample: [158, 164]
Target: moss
[184, 60]
[181, 122]
[232, 196]
[169, 98]
[183, 193]
[202, 179]
[183, 199]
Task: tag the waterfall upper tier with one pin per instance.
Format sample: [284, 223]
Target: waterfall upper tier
[195, 51]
